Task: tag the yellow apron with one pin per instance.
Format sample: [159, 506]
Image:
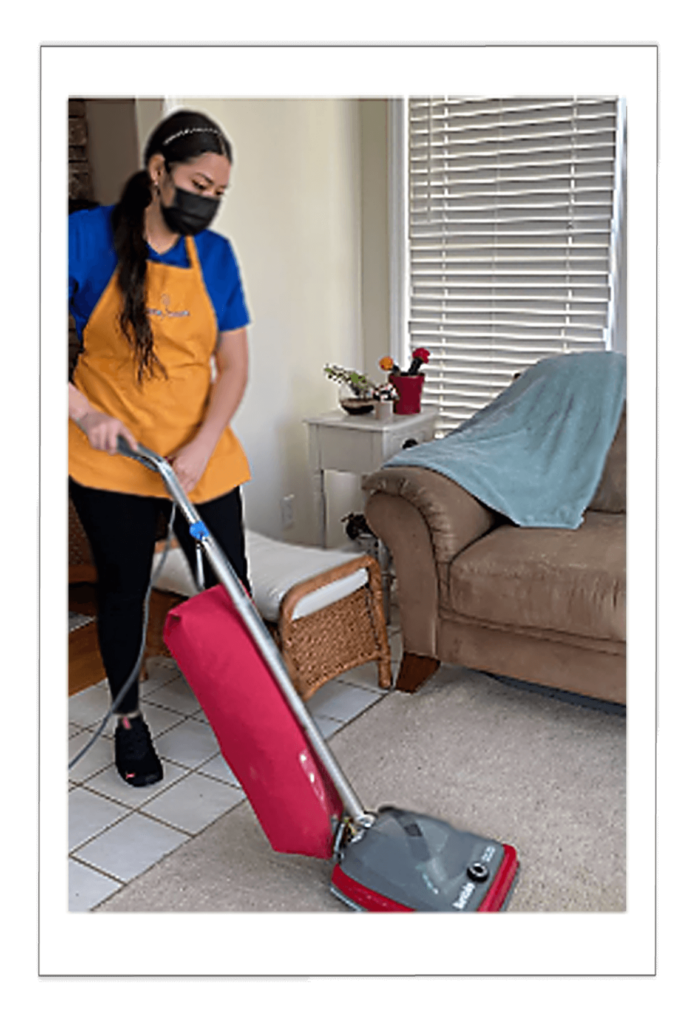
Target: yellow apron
[162, 413]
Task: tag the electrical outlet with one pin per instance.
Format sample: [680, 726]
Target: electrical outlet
[287, 511]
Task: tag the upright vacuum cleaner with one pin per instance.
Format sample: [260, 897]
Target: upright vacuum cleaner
[388, 860]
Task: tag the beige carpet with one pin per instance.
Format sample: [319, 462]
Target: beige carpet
[545, 776]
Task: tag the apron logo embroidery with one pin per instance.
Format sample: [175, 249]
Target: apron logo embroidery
[165, 311]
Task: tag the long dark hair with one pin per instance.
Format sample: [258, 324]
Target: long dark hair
[181, 137]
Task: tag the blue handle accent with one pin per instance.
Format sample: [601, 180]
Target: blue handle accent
[199, 530]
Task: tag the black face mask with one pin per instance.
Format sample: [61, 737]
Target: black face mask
[189, 214]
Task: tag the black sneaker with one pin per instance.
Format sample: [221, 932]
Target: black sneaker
[136, 758]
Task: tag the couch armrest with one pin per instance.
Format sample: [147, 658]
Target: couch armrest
[454, 518]
[405, 533]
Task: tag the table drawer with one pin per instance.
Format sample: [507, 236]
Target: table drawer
[348, 451]
[393, 442]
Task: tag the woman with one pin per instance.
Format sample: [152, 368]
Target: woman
[157, 300]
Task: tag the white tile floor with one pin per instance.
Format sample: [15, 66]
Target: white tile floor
[117, 832]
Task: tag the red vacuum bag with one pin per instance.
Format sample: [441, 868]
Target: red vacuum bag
[290, 791]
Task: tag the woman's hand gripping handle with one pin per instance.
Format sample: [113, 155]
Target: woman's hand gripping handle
[101, 429]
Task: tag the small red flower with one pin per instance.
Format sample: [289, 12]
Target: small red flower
[420, 356]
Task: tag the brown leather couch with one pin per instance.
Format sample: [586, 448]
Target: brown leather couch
[546, 606]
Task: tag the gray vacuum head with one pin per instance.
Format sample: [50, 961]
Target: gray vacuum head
[409, 861]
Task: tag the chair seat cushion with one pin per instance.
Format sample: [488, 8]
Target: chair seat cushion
[274, 568]
[567, 581]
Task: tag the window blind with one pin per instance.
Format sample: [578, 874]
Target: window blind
[511, 217]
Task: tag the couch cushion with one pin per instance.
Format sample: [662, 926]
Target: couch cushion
[568, 581]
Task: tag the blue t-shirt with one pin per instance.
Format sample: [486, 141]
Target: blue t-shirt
[92, 261]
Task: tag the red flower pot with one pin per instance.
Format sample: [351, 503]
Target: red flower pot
[409, 393]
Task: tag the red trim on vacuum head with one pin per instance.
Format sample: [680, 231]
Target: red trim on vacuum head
[374, 901]
[497, 893]
[365, 898]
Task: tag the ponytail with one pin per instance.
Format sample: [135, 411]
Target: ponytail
[181, 137]
[128, 222]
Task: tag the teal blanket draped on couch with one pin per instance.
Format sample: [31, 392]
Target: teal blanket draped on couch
[536, 453]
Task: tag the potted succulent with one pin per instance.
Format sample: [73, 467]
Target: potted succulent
[356, 395]
[408, 385]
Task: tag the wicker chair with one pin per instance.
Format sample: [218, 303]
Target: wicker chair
[349, 632]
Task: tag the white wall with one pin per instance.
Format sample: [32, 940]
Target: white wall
[293, 215]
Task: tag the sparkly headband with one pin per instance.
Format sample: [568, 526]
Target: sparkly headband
[189, 131]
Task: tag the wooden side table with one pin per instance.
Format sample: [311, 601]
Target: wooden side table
[361, 445]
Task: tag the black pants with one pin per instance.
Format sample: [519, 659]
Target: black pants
[121, 529]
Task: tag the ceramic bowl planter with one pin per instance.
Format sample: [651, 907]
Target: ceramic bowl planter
[352, 404]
